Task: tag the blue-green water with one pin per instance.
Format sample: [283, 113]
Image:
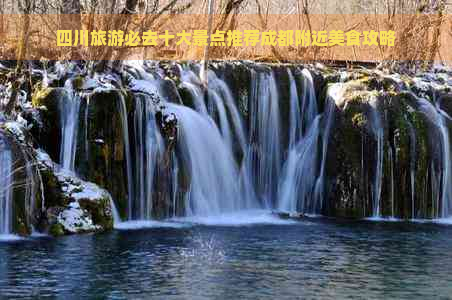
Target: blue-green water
[316, 258]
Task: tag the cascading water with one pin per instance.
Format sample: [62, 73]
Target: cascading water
[222, 107]
[296, 186]
[30, 187]
[193, 84]
[296, 123]
[413, 141]
[263, 157]
[213, 173]
[378, 133]
[148, 146]
[334, 94]
[444, 178]
[6, 188]
[299, 173]
[69, 115]
[218, 106]
[229, 165]
[221, 89]
[125, 135]
[446, 194]
[391, 167]
[309, 100]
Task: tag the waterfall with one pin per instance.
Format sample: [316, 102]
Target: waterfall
[114, 213]
[30, 187]
[125, 134]
[221, 89]
[85, 119]
[231, 161]
[223, 108]
[378, 133]
[213, 173]
[446, 191]
[175, 184]
[309, 102]
[301, 116]
[296, 187]
[391, 167]
[413, 142]
[444, 179]
[220, 101]
[193, 84]
[6, 188]
[295, 131]
[218, 104]
[263, 157]
[299, 173]
[148, 146]
[69, 109]
[334, 94]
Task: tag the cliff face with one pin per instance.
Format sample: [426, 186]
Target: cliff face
[348, 143]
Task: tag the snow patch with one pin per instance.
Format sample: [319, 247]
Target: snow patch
[16, 129]
[75, 219]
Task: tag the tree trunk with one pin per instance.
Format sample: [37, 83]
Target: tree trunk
[21, 54]
[71, 20]
[120, 22]
[205, 66]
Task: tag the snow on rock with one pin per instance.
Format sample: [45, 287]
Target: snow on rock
[89, 207]
[74, 205]
[16, 129]
[75, 219]
[43, 158]
[143, 86]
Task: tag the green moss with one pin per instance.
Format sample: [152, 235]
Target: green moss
[106, 165]
[21, 227]
[77, 82]
[40, 97]
[56, 230]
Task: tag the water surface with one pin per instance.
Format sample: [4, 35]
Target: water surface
[316, 258]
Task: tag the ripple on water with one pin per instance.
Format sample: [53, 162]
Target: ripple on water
[327, 259]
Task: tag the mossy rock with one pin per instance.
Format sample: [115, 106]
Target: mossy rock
[49, 136]
[48, 97]
[283, 86]
[63, 190]
[104, 161]
[25, 189]
[446, 104]
[349, 136]
[100, 211]
[56, 230]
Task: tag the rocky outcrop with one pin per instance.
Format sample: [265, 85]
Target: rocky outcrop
[46, 198]
[20, 178]
[72, 205]
[407, 150]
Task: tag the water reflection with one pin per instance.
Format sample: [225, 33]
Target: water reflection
[310, 259]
